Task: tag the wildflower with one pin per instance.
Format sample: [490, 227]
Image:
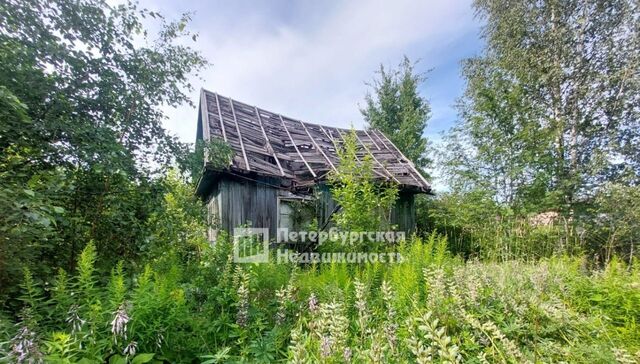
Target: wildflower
[297, 346]
[242, 316]
[376, 351]
[284, 297]
[435, 280]
[131, 349]
[325, 346]
[415, 344]
[24, 346]
[361, 306]
[119, 323]
[347, 354]
[430, 329]
[622, 356]
[313, 303]
[331, 327]
[390, 327]
[493, 333]
[73, 319]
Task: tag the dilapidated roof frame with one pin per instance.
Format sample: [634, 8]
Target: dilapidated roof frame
[273, 145]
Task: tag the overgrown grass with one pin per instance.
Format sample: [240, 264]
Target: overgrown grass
[432, 307]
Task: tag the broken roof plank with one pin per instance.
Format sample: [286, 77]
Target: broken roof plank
[376, 159]
[317, 147]
[244, 152]
[370, 138]
[224, 133]
[358, 159]
[328, 136]
[296, 147]
[413, 167]
[266, 138]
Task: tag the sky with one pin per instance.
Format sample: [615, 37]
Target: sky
[311, 60]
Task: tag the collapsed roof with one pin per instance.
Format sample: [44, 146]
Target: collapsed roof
[269, 144]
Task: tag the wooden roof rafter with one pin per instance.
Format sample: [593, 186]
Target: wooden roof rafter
[411, 165]
[235, 120]
[376, 160]
[204, 114]
[296, 147]
[370, 138]
[373, 131]
[328, 136]
[224, 133]
[317, 146]
[358, 159]
[268, 143]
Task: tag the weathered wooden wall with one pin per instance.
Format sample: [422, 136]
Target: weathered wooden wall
[238, 202]
[403, 215]
[234, 202]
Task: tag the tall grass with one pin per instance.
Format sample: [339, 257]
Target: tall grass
[432, 307]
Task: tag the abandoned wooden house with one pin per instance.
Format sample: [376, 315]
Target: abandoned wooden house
[278, 160]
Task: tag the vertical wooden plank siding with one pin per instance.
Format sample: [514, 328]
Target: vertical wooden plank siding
[234, 203]
[248, 202]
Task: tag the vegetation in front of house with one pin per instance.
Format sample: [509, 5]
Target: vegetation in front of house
[196, 305]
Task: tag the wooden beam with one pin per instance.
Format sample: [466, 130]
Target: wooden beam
[316, 145]
[296, 147]
[392, 151]
[358, 159]
[328, 136]
[376, 160]
[373, 141]
[224, 133]
[266, 138]
[373, 131]
[413, 167]
[244, 152]
[204, 114]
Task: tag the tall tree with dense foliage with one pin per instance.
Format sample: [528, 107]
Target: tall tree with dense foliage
[397, 109]
[551, 107]
[82, 86]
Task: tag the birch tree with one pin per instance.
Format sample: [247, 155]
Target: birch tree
[551, 109]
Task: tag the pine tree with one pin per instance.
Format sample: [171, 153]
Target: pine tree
[398, 110]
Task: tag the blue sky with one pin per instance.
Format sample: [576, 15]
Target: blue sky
[310, 59]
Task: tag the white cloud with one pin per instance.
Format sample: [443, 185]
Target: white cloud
[317, 72]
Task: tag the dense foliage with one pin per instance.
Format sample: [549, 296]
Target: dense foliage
[548, 127]
[82, 147]
[364, 204]
[432, 307]
[396, 108]
[551, 107]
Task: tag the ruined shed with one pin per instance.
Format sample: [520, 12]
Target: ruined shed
[278, 160]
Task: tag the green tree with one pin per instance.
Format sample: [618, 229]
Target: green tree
[550, 112]
[82, 86]
[365, 204]
[397, 109]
